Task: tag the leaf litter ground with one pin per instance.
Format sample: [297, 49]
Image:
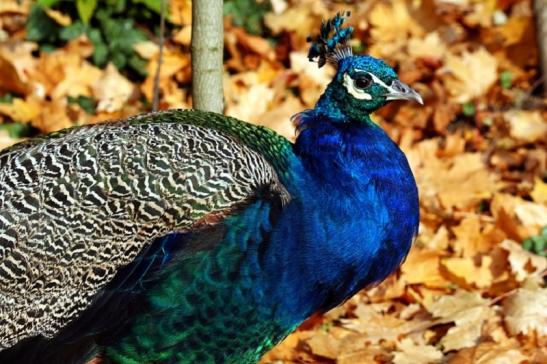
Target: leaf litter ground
[473, 286]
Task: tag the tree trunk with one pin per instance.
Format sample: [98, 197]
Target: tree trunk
[540, 10]
[207, 55]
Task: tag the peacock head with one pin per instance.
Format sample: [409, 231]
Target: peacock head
[362, 84]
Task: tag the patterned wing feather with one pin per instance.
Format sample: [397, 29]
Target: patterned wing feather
[81, 204]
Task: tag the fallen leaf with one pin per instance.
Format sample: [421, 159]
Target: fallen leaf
[21, 110]
[6, 140]
[323, 344]
[528, 126]
[279, 118]
[523, 263]
[531, 214]
[514, 30]
[183, 36]
[11, 82]
[458, 182]
[439, 241]
[53, 116]
[422, 267]
[60, 18]
[481, 13]
[253, 103]
[112, 90]
[470, 240]
[375, 325]
[539, 193]
[409, 352]
[20, 56]
[301, 65]
[79, 78]
[468, 311]
[490, 353]
[181, 12]
[526, 311]
[173, 63]
[392, 22]
[430, 46]
[146, 49]
[470, 75]
[15, 6]
[466, 273]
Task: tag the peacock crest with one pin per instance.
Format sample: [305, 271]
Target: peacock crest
[326, 48]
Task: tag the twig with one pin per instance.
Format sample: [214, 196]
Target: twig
[156, 99]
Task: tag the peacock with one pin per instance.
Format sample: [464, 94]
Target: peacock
[191, 237]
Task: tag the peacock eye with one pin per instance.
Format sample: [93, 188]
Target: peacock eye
[363, 81]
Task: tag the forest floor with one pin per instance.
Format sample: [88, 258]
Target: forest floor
[473, 287]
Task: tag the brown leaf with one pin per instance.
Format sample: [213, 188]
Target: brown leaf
[523, 263]
[323, 344]
[301, 18]
[60, 18]
[468, 311]
[112, 90]
[470, 75]
[466, 273]
[9, 78]
[173, 63]
[422, 267]
[490, 353]
[392, 22]
[458, 182]
[526, 311]
[21, 110]
[6, 140]
[181, 12]
[539, 193]
[528, 126]
[409, 352]
[525, 218]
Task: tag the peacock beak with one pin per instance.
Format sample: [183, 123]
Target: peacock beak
[401, 91]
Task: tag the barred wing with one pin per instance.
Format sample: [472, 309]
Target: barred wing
[76, 207]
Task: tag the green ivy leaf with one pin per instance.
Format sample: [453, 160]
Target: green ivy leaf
[537, 244]
[85, 9]
[248, 14]
[6, 99]
[117, 6]
[138, 65]
[48, 3]
[40, 27]
[100, 49]
[88, 104]
[119, 60]
[154, 5]
[506, 79]
[72, 31]
[469, 109]
[17, 130]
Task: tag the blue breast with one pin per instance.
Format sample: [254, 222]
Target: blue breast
[352, 220]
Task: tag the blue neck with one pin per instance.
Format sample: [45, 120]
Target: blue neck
[354, 216]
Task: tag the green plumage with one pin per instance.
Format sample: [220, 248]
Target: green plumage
[199, 312]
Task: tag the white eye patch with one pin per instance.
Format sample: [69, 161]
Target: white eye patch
[358, 93]
[377, 81]
[349, 84]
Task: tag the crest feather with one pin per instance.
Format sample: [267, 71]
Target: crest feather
[324, 49]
